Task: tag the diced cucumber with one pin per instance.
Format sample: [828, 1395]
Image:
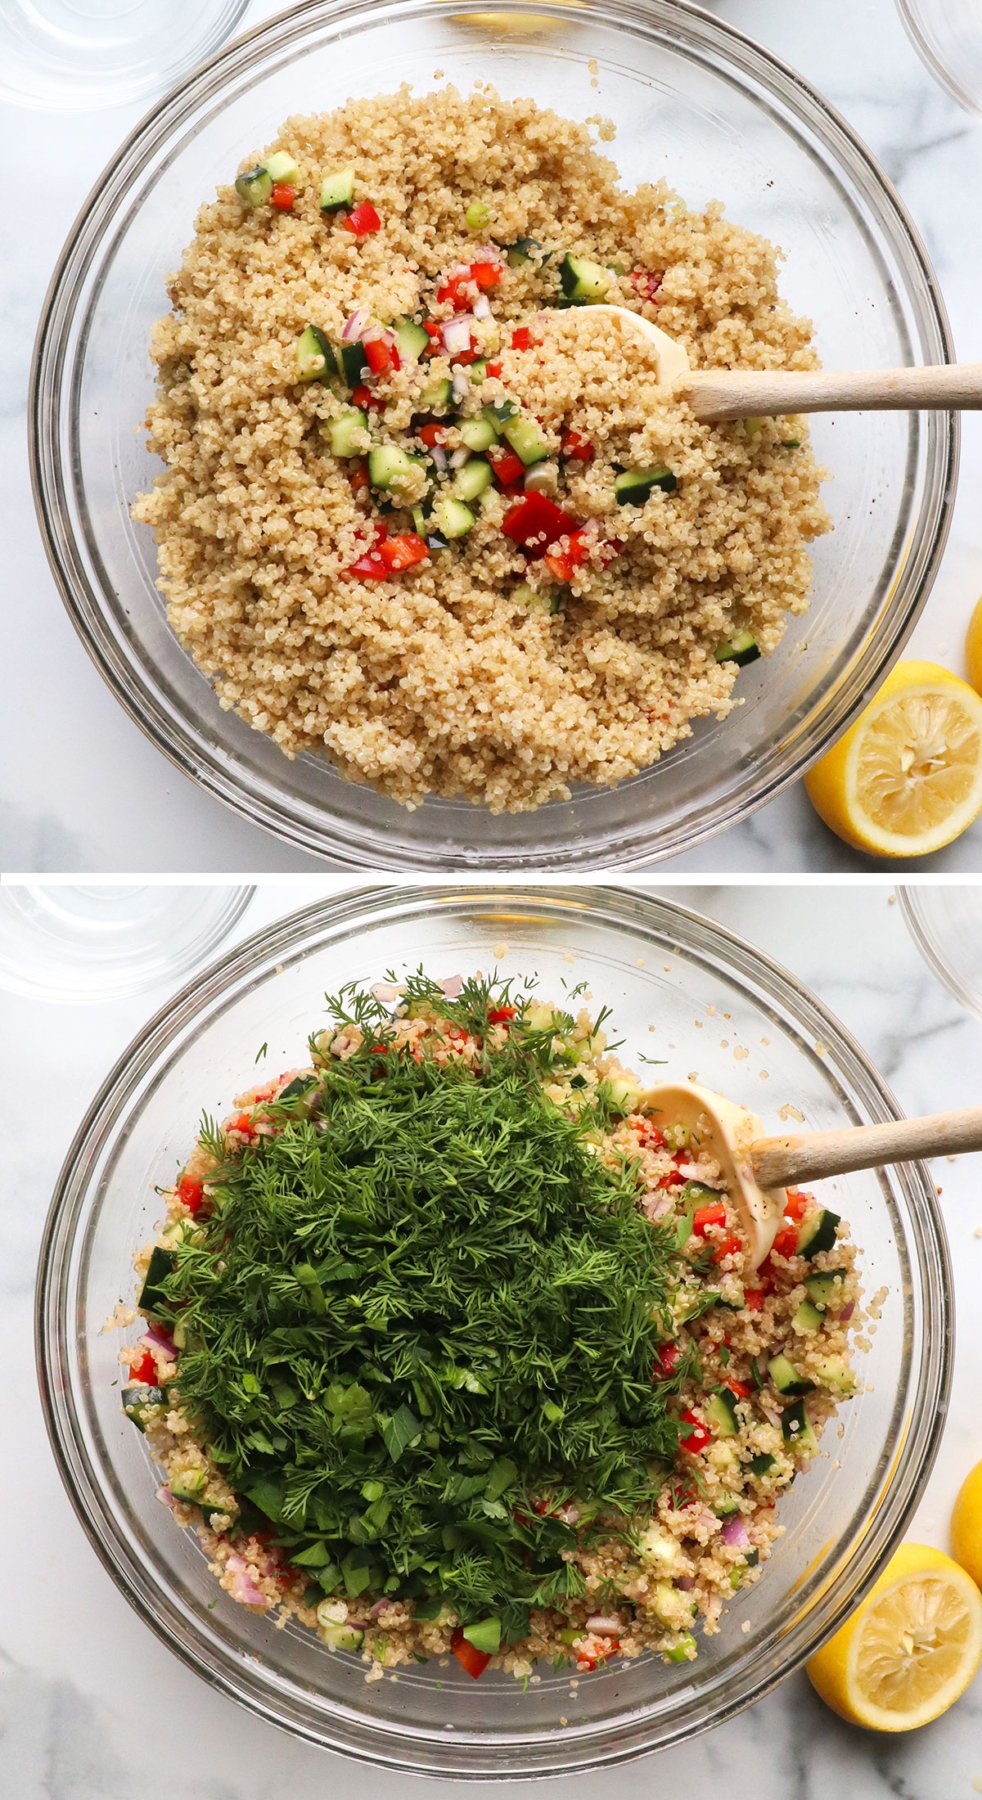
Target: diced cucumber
[527, 439]
[786, 1377]
[473, 479]
[761, 1465]
[478, 434]
[140, 1401]
[583, 281]
[742, 648]
[683, 1651]
[254, 186]
[341, 1637]
[314, 357]
[452, 518]
[189, 1487]
[827, 1289]
[341, 431]
[633, 486]
[696, 1193]
[721, 1413]
[479, 370]
[500, 413]
[337, 190]
[807, 1317]
[834, 1372]
[159, 1267]
[353, 364]
[437, 396]
[281, 167]
[389, 466]
[411, 339]
[660, 1550]
[420, 521]
[519, 254]
[726, 1506]
[622, 1096]
[817, 1233]
[485, 1635]
[796, 1428]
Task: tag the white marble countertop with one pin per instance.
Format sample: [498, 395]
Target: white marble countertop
[87, 1694]
[93, 794]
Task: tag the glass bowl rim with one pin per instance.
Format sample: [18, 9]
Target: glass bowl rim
[189, 744]
[406, 1746]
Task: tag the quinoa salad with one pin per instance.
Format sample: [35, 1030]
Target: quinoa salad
[405, 523]
[448, 1347]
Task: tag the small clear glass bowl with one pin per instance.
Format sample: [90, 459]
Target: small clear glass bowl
[656, 965]
[945, 922]
[693, 101]
[72, 55]
[947, 35]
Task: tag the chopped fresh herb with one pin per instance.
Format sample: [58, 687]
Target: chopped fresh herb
[261, 1052]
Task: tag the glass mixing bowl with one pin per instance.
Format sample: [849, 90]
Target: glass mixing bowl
[655, 964]
[693, 101]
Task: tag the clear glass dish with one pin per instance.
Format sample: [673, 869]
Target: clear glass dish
[693, 100]
[945, 923]
[947, 35]
[69, 55]
[656, 964]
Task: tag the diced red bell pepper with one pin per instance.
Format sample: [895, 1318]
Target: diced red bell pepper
[432, 434]
[577, 448]
[144, 1370]
[380, 355]
[454, 290]
[667, 1359]
[610, 550]
[705, 1216]
[242, 1122]
[403, 552]
[673, 1179]
[362, 396]
[753, 1299]
[500, 1015]
[728, 1246]
[536, 521]
[697, 1437]
[596, 1658]
[739, 1388]
[432, 328]
[786, 1241]
[652, 1134]
[486, 274]
[494, 368]
[379, 1050]
[506, 467]
[283, 196]
[646, 282]
[563, 563]
[191, 1192]
[359, 476]
[362, 220]
[521, 338]
[370, 566]
[796, 1203]
[472, 1661]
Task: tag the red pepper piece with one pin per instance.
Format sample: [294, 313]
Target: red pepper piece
[596, 1658]
[739, 1388]
[506, 467]
[786, 1241]
[242, 1122]
[753, 1299]
[144, 1370]
[380, 355]
[536, 521]
[358, 476]
[486, 274]
[362, 396]
[796, 1203]
[652, 1134]
[432, 434]
[697, 1437]
[472, 1661]
[667, 1359]
[646, 282]
[521, 339]
[728, 1246]
[494, 368]
[577, 448]
[403, 552]
[362, 220]
[500, 1015]
[705, 1216]
[283, 196]
[563, 563]
[191, 1192]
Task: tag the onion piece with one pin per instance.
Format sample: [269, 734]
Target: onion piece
[847, 1312]
[735, 1532]
[605, 1624]
[438, 457]
[154, 1335]
[243, 1588]
[482, 307]
[385, 992]
[456, 334]
[459, 457]
[165, 1496]
[355, 324]
[452, 987]
[460, 383]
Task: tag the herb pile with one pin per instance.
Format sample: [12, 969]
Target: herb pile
[420, 1320]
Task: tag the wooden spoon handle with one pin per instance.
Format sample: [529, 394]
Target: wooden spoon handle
[785, 1161]
[756, 393]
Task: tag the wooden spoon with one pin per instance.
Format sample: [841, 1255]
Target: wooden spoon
[715, 394]
[757, 1169]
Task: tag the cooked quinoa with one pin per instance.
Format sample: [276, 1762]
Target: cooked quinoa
[743, 1371]
[331, 617]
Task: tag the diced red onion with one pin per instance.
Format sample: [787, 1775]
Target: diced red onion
[244, 1588]
[605, 1624]
[459, 457]
[439, 458]
[452, 987]
[658, 1206]
[460, 382]
[355, 324]
[155, 1336]
[379, 1607]
[771, 1413]
[386, 992]
[486, 253]
[165, 1496]
[482, 307]
[847, 1312]
[685, 1582]
[735, 1532]
[456, 334]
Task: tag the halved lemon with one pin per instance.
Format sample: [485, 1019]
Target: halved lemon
[910, 1650]
[973, 648]
[906, 779]
[966, 1525]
